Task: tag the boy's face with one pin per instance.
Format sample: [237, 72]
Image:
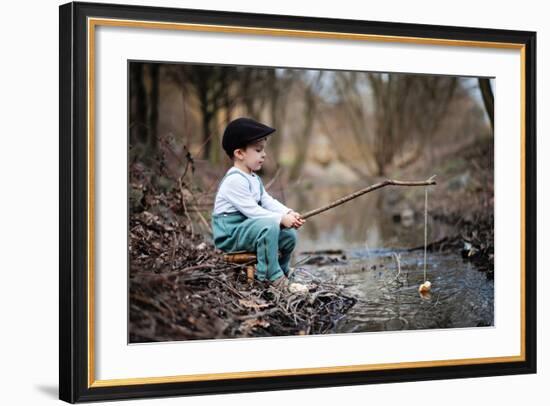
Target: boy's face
[253, 155]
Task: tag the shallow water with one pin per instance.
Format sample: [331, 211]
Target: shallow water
[365, 222]
[461, 296]
[368, 230]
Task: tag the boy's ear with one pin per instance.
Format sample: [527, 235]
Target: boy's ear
[238, 153]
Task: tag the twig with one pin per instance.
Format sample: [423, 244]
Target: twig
[190, 268]
[388, 182]
[174, 246]
[185, 208]
[300, 262]
[430, 245]
[205, 222]
[398, 262]
[201, 217]
[273, 179]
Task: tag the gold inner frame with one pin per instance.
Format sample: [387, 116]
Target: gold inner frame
[93, 22]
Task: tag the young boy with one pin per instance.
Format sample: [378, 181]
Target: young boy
[245, 216]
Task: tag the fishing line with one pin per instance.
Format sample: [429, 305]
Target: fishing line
[425, 228]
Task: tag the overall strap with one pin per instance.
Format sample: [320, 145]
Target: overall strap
[261, 189]
[232, 173]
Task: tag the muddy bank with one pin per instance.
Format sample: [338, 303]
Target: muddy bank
[181, 289]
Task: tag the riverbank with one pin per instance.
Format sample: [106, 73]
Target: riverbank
[464, 200]
[181, 289]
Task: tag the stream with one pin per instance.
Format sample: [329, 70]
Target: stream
[353, 247]
[461, 296]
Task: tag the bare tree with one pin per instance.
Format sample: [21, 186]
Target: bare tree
[432, 98]
[311, 91]
[210, 85]
[391, 95]
[352, 116]
[144, 100]
[138, 105]
[278, 87]
[387, 113]
[252, 89]
[488, 99]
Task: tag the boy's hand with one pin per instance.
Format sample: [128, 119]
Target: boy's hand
[298, 220]
[288, 220]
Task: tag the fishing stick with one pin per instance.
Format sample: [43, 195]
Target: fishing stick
[387, 182]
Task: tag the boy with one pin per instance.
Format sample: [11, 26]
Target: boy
[245, 216]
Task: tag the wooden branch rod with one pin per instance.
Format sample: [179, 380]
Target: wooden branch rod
[388, 182]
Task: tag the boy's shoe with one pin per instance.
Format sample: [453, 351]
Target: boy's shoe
[281, 283]
[284, 284]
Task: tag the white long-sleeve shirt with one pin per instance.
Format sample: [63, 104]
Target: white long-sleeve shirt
[238, 193]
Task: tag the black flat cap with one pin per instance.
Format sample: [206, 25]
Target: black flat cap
[241, 132]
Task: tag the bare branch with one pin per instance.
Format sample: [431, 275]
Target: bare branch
[388, 182]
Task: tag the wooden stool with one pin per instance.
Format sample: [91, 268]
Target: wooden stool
[243, 257]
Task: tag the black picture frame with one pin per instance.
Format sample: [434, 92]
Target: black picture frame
[75, 382]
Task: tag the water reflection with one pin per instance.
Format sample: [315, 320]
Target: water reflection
[461, 296]
[366, 222]
[367, 233]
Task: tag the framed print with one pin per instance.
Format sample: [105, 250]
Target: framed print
[256, 202]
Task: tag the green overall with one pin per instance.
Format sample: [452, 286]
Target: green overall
[236, 232]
